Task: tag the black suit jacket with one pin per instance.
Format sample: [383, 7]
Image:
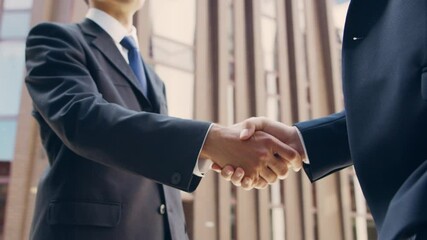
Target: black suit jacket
[114, 156]
[383, 129]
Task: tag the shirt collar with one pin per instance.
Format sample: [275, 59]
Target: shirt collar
[110, 25]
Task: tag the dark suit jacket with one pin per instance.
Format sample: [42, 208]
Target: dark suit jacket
[113, 158]
[383, 129]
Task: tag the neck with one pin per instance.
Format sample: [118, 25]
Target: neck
[123, 15]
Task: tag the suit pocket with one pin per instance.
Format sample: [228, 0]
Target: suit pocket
[424, 85]
[84, 214]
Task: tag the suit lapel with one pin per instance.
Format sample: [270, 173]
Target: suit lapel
[361, 17]
[156, 92]
[105, 44]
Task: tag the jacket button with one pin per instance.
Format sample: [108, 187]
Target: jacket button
[162, 209]
[176, 178]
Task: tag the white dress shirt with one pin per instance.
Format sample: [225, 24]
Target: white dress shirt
[117, 32]
[306, 159]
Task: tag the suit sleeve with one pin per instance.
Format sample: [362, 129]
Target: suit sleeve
[162, 148]
[326, 142]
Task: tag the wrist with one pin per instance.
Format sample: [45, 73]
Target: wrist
[209, 146]
[298, 142]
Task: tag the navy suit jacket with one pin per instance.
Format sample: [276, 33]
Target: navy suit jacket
[115, 158]
[383, 130]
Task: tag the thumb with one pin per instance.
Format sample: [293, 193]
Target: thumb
[249, 129]
[246, 133]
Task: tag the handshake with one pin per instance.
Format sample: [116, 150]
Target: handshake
[255, 152]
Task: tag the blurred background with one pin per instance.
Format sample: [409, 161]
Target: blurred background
[223, 61]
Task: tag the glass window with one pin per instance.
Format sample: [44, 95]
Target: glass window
[277, 213]
[268, 8]
[269, 36]
[172, 49]
[230, 26]
[174, 19]
[172, 53]
[339, 14]
[230, 104]
[17, 4]
[179, 90]
[11, 76]
[7, 139]
[271, 82]
[15, 24]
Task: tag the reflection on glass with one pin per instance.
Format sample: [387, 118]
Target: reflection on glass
[268, 8]
[11, 76]
[269, 42]
[231, 69]
[301, 15]
[174, 19]
[17, 4]
[230, 26]
[271, 83]
[7, 139]
[179, 90]
[277, 213]
[230, 104]
[172, 48]
[339, 13]
[273, 108]
[15, 25]
[269, 51]
[172, 53]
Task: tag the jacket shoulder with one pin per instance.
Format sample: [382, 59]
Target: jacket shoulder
[56, 30]
[55, 34]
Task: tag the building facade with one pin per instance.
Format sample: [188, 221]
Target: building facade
[222, 61]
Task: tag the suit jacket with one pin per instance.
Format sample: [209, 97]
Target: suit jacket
[115, 159]
[383, 129]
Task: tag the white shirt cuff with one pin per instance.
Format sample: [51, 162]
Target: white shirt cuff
[202, 165]
[306, 160]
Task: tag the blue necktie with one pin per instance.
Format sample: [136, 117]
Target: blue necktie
[135, 62]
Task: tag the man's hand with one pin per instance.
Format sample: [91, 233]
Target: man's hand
[286, 134]
[248, 128]
[262, 157]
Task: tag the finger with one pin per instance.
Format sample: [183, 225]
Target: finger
[250, 126]
[246, 133]
[237, 177]
[284, 151]
[261, 184]
[247, 183]
[268, 175]
[297, 163]
[280, 167]
[216, 168]
[227, 172]
[289, 154]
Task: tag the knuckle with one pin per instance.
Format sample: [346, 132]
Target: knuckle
[273, 179]
[263, 155]
[268, 140]
[283, 171]
[293, 155]
[236, 182]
